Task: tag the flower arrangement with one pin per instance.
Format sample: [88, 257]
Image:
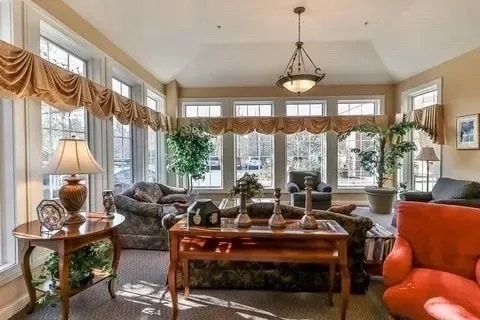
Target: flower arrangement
[252, 186]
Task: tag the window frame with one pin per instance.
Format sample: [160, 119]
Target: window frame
[185, 104]
[260, 103]
[160, 139]
[407, 96]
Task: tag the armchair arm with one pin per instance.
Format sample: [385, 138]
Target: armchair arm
[398, 263]
[416, 196]
[292, 187]
[323, 187]
[477, 271]
[145, 209]
[460, 202]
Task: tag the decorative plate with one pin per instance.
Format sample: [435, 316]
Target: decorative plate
[51, 214]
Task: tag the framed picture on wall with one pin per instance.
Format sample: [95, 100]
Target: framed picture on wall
[467, 132]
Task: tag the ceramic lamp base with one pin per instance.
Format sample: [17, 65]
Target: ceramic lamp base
[72, 196]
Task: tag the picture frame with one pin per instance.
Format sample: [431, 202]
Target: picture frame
[467, 132]
[51, 214]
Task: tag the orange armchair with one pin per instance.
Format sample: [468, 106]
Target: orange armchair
[436, 254]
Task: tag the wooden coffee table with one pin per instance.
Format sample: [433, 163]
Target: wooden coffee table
[327, 245]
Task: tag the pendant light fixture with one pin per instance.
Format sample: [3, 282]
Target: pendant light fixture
[295, 77]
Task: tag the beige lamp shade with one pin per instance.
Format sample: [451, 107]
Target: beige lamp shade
[72, 156]
[427, 154]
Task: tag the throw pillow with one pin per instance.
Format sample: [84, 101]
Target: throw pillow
[142, 196]
[345, 209]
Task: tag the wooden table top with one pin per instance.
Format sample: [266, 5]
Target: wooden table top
[93, 224]
[260, 229]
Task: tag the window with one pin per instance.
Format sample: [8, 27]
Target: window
[350, 174]
[152, 146]
[254, 151]
[58, 124]
[122, 145]
[213, 178]
[306, 151]
[421, 99]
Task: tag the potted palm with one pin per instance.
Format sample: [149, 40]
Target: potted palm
[382, 159]
[191, 147]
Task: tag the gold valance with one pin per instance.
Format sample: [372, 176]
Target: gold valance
[26, 75]
[287, 125]
[431, 118]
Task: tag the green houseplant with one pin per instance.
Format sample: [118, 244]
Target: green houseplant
[191, 147]
[95, 256]
[252, 186]
[383, 158]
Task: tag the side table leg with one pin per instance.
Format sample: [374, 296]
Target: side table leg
[117, 250]
[345, 274]
[64, 272]
[331, 282]
[27, 276]
[186, 280]
[172, 274]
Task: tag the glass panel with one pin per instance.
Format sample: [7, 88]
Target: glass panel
[57, 124]
[213, 178]
[350, 173]
[122, 146]
[306, 151]
[254, 151]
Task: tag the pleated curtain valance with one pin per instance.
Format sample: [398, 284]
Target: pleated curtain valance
[26, 75]
[287, 125]
[431, 118]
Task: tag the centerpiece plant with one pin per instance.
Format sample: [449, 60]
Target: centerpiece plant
[191, 147]
[83, 263]
[383, 158]
[253, 187]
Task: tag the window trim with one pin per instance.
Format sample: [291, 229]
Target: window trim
[160, 138]
[406, 105]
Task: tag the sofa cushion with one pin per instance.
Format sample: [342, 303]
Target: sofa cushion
[316, 196]
[298, 177]
[142, 196]
[346, 209]
[447, 188]
[422, 284]
[151, 188]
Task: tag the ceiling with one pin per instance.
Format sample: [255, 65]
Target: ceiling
[354, 42]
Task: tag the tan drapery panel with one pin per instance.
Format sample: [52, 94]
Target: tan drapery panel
[288, 125]
[431, 118]
[26, 75]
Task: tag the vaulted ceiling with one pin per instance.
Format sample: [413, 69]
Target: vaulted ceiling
[354, 42]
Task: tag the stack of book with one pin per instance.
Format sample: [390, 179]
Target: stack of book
[378, 244]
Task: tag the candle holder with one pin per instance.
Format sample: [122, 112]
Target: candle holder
[242, 220]
[277, 221]
[308, 221]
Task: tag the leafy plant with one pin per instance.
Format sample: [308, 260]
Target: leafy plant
[383, 159]
[82, 264]
[252, 186]
[191, 148]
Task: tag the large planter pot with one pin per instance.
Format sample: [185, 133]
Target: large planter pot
[380, 199]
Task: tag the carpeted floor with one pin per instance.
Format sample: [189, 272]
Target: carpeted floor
[142, 295]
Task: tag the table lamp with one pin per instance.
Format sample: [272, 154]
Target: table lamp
[73, 157]
[427, 154]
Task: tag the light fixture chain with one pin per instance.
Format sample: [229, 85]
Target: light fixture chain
[299, 26]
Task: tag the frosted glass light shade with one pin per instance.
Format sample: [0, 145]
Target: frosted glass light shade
[72, 156]
[299, 83]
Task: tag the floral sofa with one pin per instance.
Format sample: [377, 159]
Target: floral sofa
[283, 276]
[144, 205]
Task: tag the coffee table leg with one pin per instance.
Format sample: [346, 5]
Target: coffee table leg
[27, 276]
[172, 274]
[331, 282]
[186, 280]
[117, 250]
